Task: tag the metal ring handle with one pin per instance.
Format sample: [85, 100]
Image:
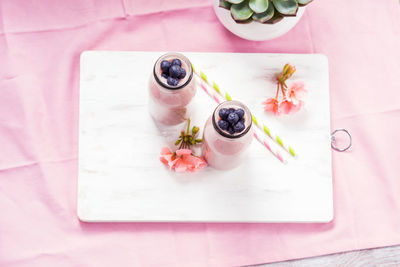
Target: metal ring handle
[333, 140]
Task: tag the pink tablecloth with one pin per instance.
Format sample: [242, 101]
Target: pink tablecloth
[40, 43]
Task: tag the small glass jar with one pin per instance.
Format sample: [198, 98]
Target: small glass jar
[221, 149]
[169, 104]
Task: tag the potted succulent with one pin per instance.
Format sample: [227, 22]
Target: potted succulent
[259, 19]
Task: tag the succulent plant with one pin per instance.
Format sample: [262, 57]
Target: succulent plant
[263, 11]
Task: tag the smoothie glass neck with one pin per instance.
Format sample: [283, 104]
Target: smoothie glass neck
[185, 64]
[232, 104]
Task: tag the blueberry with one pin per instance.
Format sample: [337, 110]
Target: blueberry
[223, 113]
[223, 124]
[164, 75]
[231, 110]
[240, 113]
[238, 127]
[174, 71]
[176, 62]
[165, 64]
[231, 130]
[182, 73]
[172, 81]
[233, 118]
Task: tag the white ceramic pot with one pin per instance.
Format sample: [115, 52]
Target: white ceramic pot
[256, 31]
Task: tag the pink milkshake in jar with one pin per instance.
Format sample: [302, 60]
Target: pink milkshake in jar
[227, 135]
[171, 89]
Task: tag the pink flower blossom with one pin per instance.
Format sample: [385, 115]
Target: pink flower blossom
[293, 96]
[287, 106]
[271, 104]
[182, 160]
[296, 93]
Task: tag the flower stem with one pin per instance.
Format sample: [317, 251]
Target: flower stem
[187, 139]
[277, 90]
[188, 126]
[283, 91]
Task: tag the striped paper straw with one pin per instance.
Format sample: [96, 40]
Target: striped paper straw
[273, 136]
[256, 136]
[259, 125]
[265, 143]
[210, 93]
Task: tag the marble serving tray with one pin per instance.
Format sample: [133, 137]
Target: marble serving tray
[122, 179]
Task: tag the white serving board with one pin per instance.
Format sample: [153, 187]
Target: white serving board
[122, 179]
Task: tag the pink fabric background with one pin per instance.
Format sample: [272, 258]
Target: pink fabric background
[40, 44]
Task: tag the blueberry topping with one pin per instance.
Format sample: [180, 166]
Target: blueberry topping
[165, 64]
[231, 110]
[176, 62]
[238, 127]
[223, 124]
[233, 118]
[182, 73]
[172, 81]
[164, 75]
[174, 71]
[231, 130]
[240, 113]
[223, 113]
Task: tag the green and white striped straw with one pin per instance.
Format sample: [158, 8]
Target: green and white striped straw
[262, 126]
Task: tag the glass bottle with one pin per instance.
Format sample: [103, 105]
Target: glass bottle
[221, 149]
[168, 104]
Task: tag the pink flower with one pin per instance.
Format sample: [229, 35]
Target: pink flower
[271, 104]
[296, 93]
[287, 106]
[182, 160]
[294, 99]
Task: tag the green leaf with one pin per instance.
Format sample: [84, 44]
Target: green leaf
[225, 4]
[275, 18]
[303, 2]
[235, 1]
[265, 16]
[241, 11]
[286, 7]
[247, 21]
[259, 6]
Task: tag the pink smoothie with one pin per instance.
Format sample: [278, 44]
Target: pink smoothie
[221, 149]
[169, 104]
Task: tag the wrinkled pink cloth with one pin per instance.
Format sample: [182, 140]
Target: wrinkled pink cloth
[40, 44]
